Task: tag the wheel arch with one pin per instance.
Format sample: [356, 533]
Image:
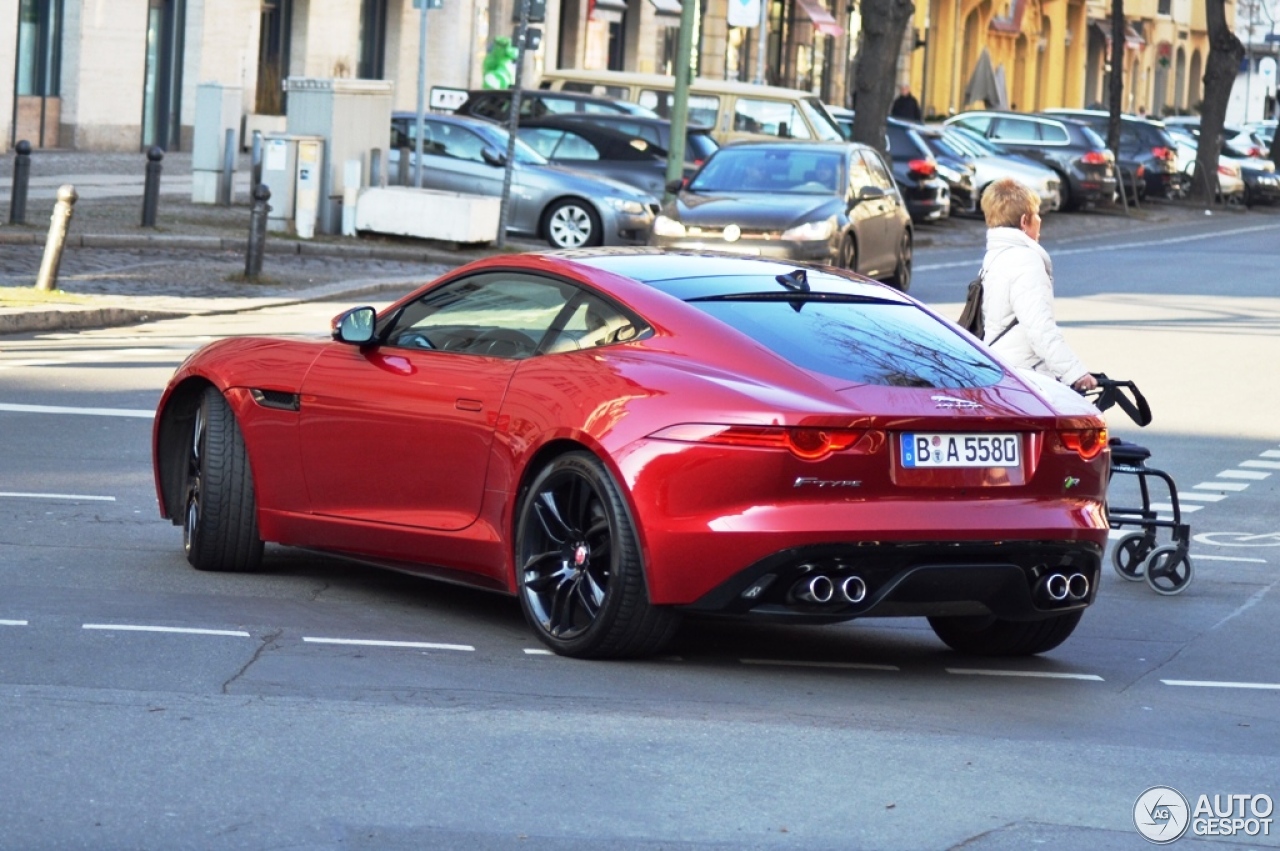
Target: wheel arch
[172, 434]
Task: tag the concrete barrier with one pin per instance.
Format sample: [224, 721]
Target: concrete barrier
[428, 214]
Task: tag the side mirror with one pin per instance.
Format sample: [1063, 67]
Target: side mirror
[867, 193]
[493, 158]
[356, 326]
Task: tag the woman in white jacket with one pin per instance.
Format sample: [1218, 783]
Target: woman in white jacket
[1017, 308]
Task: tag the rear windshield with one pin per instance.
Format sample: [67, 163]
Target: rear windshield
[894, 344]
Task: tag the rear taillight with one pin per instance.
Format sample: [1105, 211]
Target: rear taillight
[1228, 170]
[1256, 153]
[1094, 158]
[1161, 153]
[922, 168]
[808, 444]
[1088, 443]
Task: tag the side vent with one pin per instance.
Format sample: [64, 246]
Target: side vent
[277, 399]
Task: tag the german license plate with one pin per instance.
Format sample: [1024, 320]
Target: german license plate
[961, 450]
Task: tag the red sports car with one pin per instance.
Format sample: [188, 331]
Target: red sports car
[618, 436]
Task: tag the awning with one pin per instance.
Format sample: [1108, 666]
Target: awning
[667, 7]
[1133, 40]
[822, 20]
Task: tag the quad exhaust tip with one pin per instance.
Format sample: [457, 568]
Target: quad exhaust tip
[823, 589]
[1059, 587]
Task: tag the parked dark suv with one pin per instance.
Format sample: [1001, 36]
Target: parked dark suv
[1069, 147]
[1143, 142]
[927, 193]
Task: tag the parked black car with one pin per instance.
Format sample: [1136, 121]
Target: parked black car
[1069, 147]
[600, 150]
[698, 141]
[1142, 142]
[909, 142]
[915, 170]
[495, 104]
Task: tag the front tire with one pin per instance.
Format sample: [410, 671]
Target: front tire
[848, 256]
[991, 636]
[220, 519]
[579, 569]
[572, 224]
[902, 269]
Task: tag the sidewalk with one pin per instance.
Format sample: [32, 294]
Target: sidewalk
[114, 271]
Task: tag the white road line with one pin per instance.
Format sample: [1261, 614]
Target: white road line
[1048, 675]
[1217, 684]
[13, 623]
[1243, 474]
[1271, 453]
[1203, 557]
[1168, 507]
[1058, 252]
[1201, 497]
[1262, 465]
[537, 651]
[1222, 486]
[71, 496]
[91, 412]
[420, 645]
[796, 663]
[125, 627]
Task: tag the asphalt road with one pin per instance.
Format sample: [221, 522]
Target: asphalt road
[325, 705]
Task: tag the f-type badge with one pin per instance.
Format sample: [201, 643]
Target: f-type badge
[809, 482]
[953, 402]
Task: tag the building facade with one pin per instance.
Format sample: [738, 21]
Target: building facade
[122, 74]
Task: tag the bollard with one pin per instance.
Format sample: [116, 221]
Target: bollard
[257, 232]
[151, 186]
[225, 189]
[376, 177]
[404, 167]
[59, 223]
[21, 176]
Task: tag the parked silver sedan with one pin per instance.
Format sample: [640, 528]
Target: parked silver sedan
[991, 164]
[566, 208]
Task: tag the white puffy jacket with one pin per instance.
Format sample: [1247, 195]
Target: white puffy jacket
[1018, 281]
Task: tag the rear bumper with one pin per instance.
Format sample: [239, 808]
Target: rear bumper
[1007, 579]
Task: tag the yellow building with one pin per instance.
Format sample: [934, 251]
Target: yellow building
[1056, 53]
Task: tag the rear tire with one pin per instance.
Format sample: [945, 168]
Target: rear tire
[579, 569]
[991, 636]
[220, 520]
[902, 270]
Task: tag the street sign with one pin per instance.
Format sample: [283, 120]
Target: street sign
[1271, 37]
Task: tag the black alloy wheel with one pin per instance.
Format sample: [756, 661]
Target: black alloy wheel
[579, 570]
[220, 511]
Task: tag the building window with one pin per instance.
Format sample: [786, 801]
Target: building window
[273, 56]
[373, 39]
[39, 48]
[1164, 7]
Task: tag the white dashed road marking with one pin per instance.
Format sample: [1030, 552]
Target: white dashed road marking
[537, 651]
[1201, 497]
[13, 623]
[1203, 557]
[420, 645]
[1243, 474]
[797, 663]
[1048, 675]
[182, 630]
[75, 497]
[1223, 486]
[1263, 465]
[1214, 684]
[91, 412]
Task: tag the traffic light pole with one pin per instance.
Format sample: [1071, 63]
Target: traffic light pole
[680, 106]
[513, 121]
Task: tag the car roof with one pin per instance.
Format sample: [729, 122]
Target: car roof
[610, 117]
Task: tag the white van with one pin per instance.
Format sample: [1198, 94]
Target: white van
[732, 110]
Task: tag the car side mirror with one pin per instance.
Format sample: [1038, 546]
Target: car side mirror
[356, 326]
[493, 158]
[867, 193]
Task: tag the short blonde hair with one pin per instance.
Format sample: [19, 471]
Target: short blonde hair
[1006, 201]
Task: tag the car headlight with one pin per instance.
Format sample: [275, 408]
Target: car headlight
[949, 174]
[625, 205]
[811, 231]
[663, 226]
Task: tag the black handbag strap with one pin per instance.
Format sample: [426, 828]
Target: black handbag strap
[1005, 331]
[1112, 392]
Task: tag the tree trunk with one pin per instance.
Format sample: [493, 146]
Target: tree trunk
[883, 25]
[1115, 86]
[1225, 54]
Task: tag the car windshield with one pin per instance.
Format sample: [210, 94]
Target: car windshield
[751, 168]
[884, 343]
[825, 127]
[972, 141]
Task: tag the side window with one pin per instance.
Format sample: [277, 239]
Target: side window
[499, 314]
[1055, 134]
[542, 139]
[977, 123]
[1013, 130]
[574, 147]
[859, 173]
[453, 141]
[880, 174]
[400, 134]
[557, 106]
[593, 322]
[770, 117]
[491, 106]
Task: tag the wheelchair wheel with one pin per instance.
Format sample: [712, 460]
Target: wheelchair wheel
[1130, 554]
[1169, 570]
